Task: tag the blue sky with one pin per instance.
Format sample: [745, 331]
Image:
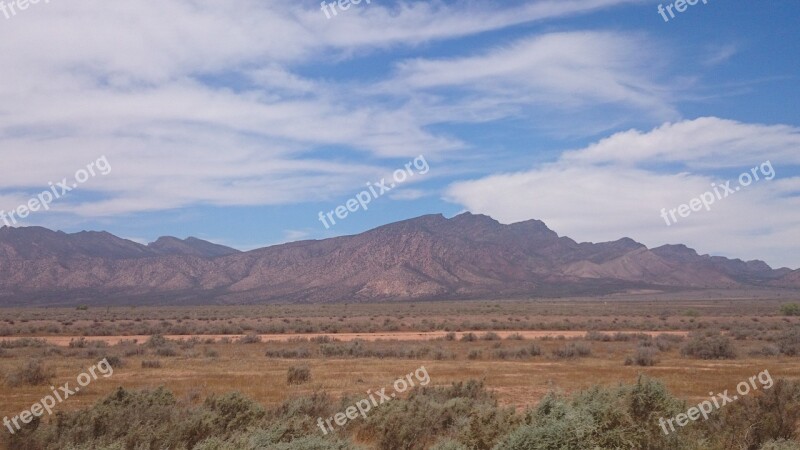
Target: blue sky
[239, 122]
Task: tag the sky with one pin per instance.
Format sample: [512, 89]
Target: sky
[255, 122]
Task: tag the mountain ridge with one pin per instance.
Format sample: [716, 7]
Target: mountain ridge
[424, 258]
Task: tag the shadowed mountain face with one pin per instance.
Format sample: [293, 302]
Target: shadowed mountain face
[430, 257]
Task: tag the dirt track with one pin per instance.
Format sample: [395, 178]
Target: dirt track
[63, 341]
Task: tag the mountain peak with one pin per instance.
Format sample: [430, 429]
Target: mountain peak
[191, 246]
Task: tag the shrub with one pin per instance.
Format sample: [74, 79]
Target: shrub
[767, 350]
[249, 338]
[298, 375]
[33, 373]
[296, 353]
[622, 417]
[665, 342]
[469, 337]
[24, 342]
[598, 336]
[429, 413]
[78, 343]
[515, 337]
[709, 346]
[449, 444]
[151, 364]
[780, 444]
[790, 309]
[755, 420]
[573, 350]
[450, 336]
[789, 342]
[167, 351]
[490, 336]
[114, 361]
[156, 341]
[644, 357]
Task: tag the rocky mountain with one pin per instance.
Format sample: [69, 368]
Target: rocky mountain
[429, 257]
[168, 245]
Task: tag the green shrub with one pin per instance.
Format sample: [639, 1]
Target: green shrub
[459, 417]
[790, 309]
[623, 417]
[463, 410]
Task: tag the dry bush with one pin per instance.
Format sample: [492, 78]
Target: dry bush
[23, 343]
[490, 336]
[644, 357]
[709, 346]
[249, 338]
[33, 373]
[298, 375]
[151, 364]
[573, 350]
[789, 342]
[469, 337]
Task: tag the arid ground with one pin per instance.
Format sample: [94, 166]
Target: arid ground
[520, 349]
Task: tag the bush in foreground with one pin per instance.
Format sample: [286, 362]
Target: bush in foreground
[464, 416]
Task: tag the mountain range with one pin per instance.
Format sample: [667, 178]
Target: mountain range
[425, 258]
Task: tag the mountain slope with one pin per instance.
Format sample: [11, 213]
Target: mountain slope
[429, 257]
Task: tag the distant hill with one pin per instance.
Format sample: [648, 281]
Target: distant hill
[426, 258]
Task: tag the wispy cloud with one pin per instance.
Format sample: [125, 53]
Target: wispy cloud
[617, 187]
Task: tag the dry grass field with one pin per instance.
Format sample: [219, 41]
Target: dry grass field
[455, 342]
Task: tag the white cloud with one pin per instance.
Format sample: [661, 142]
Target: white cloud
[554, 79]
[617, 188]
[196, 102]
